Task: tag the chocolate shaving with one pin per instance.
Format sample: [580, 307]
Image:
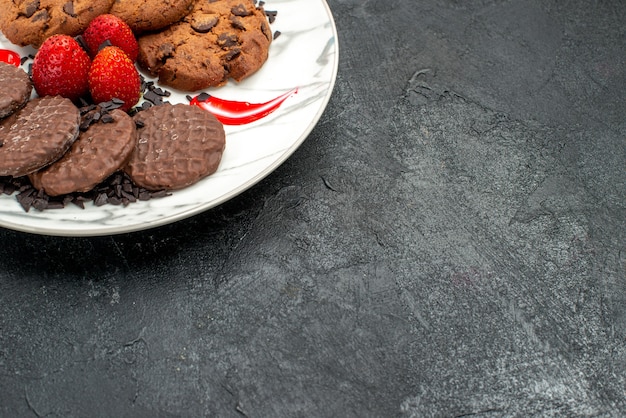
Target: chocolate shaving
[104, 45]
[203, 97]
[107, 118]
[81, 41]
[271, 15]
[153, 98]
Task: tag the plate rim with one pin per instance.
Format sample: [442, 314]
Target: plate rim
[198, 209]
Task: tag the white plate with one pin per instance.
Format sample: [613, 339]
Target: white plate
[305, 56]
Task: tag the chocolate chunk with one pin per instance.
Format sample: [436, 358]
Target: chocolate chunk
[166, 50]
[31, 8]
[68, 8]
[41, 15]
[203, 23]
[236, 23]
[240, 10]
[266, 30]
[227, 40]
[232, 54]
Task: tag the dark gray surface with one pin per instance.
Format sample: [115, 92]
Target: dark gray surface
[449, 241]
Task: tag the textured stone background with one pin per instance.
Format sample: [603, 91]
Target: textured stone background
[449, 241]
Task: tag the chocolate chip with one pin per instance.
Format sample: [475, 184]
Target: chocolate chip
[277, 34]
[41, 15]
[232, 54]
[240, 10]
[237, 23]
[166, 50]
[203, 23]
[101, 199]
[26, 199]
[266, 30]
[68, 8]
[227, 40]
[31, 8]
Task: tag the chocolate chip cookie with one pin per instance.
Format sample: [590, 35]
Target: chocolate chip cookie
[97, 153]
[37, 135]
[150, 15]
[218, 40]
[30, 22]
[16, 89]
[177, 145]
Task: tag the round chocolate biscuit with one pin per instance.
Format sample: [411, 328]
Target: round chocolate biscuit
[98, 152]
[30, 22]
[37, 135]
[177, 145]
[216, 41]
[150, 15]
[16, 89]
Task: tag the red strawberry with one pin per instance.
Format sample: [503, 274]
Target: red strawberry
[60, 68]
[113, 75]
[113, 29]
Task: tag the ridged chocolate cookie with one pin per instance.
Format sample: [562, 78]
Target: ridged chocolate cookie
[150, 15]
[37, 135]
[16, 89]
[218, 40]
[177, 145]
[97, 153]
[30, 22]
